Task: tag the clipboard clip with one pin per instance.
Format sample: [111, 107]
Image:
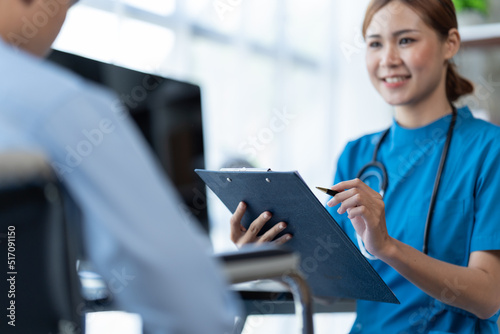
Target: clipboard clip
[245, 169]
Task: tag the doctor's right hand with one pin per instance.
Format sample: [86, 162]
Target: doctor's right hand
[241, 236]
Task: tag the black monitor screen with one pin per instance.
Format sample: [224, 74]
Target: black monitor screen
[167, 111]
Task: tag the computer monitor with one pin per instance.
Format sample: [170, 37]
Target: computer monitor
[167, 111]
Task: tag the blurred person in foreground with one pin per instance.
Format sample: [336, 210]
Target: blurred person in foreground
[136, 232]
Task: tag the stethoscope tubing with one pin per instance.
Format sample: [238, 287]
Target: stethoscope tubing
[383, 180]
[442, 162]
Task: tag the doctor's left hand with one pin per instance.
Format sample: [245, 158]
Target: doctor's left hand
[366, 210]
[241, 236]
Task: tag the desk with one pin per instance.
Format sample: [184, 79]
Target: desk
[268, 297]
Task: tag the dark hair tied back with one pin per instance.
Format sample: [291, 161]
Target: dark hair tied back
[441, 16]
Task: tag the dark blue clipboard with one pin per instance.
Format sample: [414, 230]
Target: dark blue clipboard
[332, 265]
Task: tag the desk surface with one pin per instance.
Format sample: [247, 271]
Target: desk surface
[272, 297]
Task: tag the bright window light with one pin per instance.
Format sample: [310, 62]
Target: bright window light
[308, 27]
[163, 7]
[219, 15]
[196, 7]
[113, 322]
[118, 40]
[143, 46]
[260, 24]
[89, 32]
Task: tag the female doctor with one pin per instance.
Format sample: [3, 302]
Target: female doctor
[422, 199]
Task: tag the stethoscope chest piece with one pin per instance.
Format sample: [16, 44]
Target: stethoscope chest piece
[374, 175]
[375, 172]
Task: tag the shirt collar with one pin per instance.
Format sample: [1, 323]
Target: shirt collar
[434, 131]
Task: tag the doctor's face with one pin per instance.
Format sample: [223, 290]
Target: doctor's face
[405, 57]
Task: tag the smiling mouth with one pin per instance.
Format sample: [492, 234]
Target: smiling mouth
[393, 80]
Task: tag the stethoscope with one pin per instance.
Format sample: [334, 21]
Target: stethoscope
[370, 170]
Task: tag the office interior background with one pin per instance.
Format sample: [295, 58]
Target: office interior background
[283, 83]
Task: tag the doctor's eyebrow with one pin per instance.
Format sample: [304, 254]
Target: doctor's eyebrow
[394, 34]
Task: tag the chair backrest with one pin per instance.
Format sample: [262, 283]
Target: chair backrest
[39, 246]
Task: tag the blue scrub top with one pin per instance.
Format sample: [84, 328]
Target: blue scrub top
[465, 219]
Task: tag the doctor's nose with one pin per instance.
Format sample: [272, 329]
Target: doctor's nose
[390, 57]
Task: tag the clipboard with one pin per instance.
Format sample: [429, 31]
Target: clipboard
[330, 262]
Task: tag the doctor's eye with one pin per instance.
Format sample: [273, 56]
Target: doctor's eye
[406, 40]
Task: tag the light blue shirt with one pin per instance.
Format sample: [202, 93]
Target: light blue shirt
[465, 219]
[136, 231]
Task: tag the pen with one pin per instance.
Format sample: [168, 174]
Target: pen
[328, 191]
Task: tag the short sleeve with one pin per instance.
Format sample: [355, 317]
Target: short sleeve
[486, 232]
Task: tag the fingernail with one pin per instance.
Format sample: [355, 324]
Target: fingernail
[288, 237]
[282, 226]
[267, 215]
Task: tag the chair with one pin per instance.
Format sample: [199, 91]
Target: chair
[248, 264]
[271, 262]
[39, 245]
[40, 229]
